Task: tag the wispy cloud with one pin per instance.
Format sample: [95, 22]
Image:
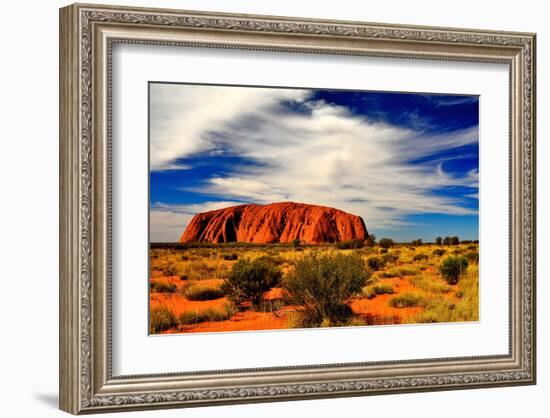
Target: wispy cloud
[167, 222]
[320, 154]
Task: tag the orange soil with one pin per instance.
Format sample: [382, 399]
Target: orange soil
[242, 321]
[179, 304]
[374, 311]
[377, 310]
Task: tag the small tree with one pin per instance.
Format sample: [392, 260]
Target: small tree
[322, 284]
[250, 279]
[455, 240]
[371, 240]
[447, 241]
[439, 240]
[386, 243]
[416, 241]
[452, 268]
[296, 243]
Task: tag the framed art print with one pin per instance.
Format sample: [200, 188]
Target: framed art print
[259, 208]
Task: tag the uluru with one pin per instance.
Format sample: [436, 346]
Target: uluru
[277, 222]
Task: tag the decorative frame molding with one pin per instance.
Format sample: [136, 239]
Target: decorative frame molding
[87, 33]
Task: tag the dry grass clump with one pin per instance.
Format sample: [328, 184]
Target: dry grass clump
[199, 292]
[160, 286]
[161, 319]
[372, 291]
[408, 300]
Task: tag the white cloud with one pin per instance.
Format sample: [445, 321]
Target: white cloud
[167, 222]
[324, 156]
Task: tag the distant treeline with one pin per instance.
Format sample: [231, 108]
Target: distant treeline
[351, 244]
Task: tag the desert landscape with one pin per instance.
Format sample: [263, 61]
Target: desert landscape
[288, 265]
[291, 208]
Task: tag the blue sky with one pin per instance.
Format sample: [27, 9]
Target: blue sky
[406, 162]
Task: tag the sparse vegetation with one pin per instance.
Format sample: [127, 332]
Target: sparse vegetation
[351, 244]
[161, 319]
[375, 263]
[250, 279]
[162, 287]
[322, 284]
[211, 315]
[199, 292]
[452, 268]
[407, 300]
[386, 243]
[420, 257]
[377, 289]
[404, 283]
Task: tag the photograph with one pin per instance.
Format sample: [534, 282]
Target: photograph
[280, 208]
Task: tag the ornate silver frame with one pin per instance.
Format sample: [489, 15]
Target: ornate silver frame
[87, 33]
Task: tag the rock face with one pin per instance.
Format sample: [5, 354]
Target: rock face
[277, 222]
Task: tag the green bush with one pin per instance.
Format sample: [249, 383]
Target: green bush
[296, 243]
[439, 252]
[250, 279]
[452, 268]
[420, 257]
[407, 300]
[322, 284]
[375, 263]
[386, 243]
[161, 319]
[350, 244]
[198, 292]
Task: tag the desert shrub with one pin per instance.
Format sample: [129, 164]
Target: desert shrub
[162, 287]
[323, 283]
[377, 289]
[420, 257]
[389, 258]
[430, 284]
[386, 243]
[416, 242]
[375, 263]
[350, 244]
[231, 257]
[250, 279]
[471, 247]
[452, 268]
[472, 257]
[198, 292]
[407, 300]
[170, 270]
[399, 271]
[275, 260]
[458, 251]
[371, 240]
[208, 315]
[438, 252]
[438, 241]
[161, 319]
[383, 250]
[296, 243]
